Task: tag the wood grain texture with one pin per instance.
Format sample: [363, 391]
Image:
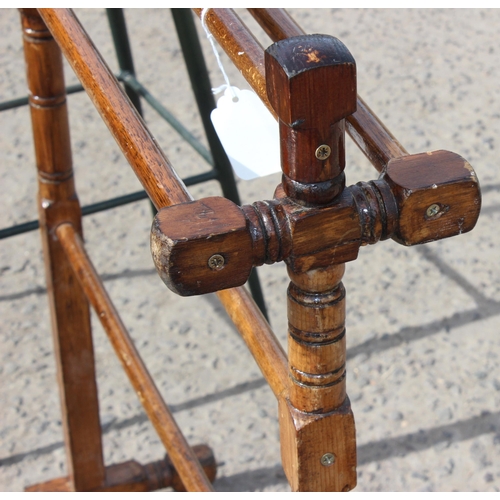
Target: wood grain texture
[259, 338]
[364, 127]
[150, 164]
[180, 453]
[316, 342]
[185, 237]
[58, 203]
[244, 50]
[316, 420]
[311, 84]
[277, 23]
[148, 161]
[307, 237]
[306, 437]
[373, 138]
[442, 180]
[132, 476]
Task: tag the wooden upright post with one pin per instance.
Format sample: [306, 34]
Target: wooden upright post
[58, 203]
[311, 84]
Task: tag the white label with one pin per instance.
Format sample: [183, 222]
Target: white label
[249, 134]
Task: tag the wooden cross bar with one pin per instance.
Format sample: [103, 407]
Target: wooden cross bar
[315, 224]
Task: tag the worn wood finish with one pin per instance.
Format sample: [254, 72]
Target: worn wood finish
[277, 23]
[308, 440]
[160, 416]
[417, 199]
[311, 84]
[318, 438]
[244, 50]
[394, 206]
[437, 194]
[206, 257]
[316, 423]
[260, 339]
[317, 344]
[373, 137]
[218, 227]
[364, 127]
[148, 161]
[133, 477]
[150, 164]
[58, 203]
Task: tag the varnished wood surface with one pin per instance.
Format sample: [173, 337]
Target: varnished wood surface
[439, 180]
[311, 84]
[306, 437]
[160, 416]
[277, 23]
[150, 164]
[367, 131]
[132, 476]
[395, 206]
[317, 339]
[259, 337]
[183, 241]
[244, 50]
[372, 136]
[57, 202]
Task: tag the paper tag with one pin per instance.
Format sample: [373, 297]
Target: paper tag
[249, 134]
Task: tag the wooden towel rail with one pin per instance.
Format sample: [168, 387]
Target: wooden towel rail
[314, 223]
[159, 179]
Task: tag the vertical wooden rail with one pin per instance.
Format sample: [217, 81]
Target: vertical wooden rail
[311, 84]
[57, 203]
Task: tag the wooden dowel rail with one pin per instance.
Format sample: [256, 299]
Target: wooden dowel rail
[309, 83]
[156, 174]
[260, 339]
[367, 131]
[179, 451]
[364, 127]
[244, 50]
[150, 164]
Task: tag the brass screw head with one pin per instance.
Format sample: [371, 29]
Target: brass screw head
[323, 152]
[433, 210]
[328, 459]
[216, 262]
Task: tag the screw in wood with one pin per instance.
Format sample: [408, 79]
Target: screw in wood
[328, 459]
[433, 210]
[323, 152]
[216, 262]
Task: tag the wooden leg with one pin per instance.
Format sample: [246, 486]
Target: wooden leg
[57, 203]
[318, 438]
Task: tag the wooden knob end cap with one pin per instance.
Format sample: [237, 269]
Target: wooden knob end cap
[311, 80]
[201, 246]
[437, 194]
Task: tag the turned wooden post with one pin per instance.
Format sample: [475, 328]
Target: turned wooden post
[311, 84]
[315, 224]
[58, 203]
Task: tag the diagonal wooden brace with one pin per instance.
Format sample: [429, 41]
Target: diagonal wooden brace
[315, 224]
